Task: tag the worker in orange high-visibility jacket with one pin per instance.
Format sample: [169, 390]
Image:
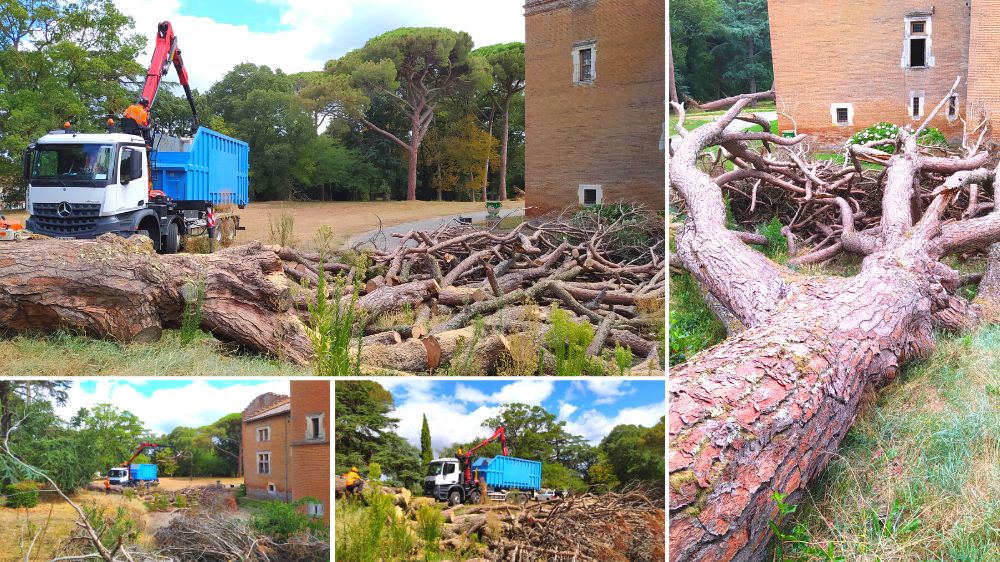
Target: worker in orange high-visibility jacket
[353, 481]
[138, 112]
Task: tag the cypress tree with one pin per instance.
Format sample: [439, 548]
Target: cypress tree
[425, 443]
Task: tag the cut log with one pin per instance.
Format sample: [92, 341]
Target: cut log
[119, 289]
[427, 354]
[374, 284]
[389, 337]
[639, 346]
[392, 299]
[461, 296]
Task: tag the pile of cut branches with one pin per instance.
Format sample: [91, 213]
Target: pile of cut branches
[626, 526]
[467, 300]
[210, 536]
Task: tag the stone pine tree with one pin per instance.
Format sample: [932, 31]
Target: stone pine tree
[506, 64]
[414, 68]
[426, 453]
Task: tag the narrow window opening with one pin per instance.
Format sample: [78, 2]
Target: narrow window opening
[271, 488]
[842, 115]
[952, 106]
[315, 427]
[586, 65]
[916, 107]
[918, 54]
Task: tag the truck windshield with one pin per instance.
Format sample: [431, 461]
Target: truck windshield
[116, 472]
[434, 468]
[72, 162]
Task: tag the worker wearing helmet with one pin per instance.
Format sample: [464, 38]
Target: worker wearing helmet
[135, 121]
[353, 480]
[139, 112]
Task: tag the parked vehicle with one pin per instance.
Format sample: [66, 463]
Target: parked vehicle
[135, 475]
[131, 474]
[457, 479]
[129, 181]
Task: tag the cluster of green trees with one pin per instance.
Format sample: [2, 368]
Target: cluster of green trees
[416, 112]
[365, 433]
[720, 48]
[102, 437]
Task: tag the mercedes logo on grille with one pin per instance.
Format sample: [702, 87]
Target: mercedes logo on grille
[64, 210]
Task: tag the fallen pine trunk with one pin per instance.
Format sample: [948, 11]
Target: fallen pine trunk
[429, 353]
[119, 289]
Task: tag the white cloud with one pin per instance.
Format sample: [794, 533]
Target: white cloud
[529, 391]
[566, 410]
[311, 32]
[609, 390]
[593, 425]
[193, 405]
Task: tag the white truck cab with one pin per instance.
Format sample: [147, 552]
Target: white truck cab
[118, 476]
[444, 480]
[85, 184]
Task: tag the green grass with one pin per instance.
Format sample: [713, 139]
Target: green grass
[692, 325]
[838, 157]
[66, 354]
[918, 475]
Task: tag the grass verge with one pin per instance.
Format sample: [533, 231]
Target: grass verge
[67, 354]
[918, 475]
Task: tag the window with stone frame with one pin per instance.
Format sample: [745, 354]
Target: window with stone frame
[263, 463]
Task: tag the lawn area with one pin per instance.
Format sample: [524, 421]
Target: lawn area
[56, 520]
[173, 484]
[346, 218]
[65, 354]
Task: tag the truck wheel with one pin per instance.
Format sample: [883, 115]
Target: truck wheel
[474, 497]
[172, 239]
[454, 498]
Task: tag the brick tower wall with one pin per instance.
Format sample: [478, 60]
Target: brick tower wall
[984, 60]
[828, 52]
[605, 133]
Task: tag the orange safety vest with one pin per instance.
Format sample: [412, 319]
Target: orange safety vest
[139, 113]
[352, 477]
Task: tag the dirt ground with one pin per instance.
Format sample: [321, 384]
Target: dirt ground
[346, 218]
[178, 483]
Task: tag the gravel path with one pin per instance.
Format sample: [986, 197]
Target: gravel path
[386, 241]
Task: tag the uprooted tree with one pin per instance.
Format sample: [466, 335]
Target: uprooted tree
[764, 411]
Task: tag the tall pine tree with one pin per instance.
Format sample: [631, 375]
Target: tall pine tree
[425, 443]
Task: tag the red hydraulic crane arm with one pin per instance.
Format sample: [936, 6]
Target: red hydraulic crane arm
[500, 434]
[164, 53]
[142, 447]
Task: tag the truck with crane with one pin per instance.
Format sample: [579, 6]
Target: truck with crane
[458, 479]
[82, 185]
[131, 474]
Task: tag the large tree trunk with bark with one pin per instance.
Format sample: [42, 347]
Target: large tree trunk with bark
[119, 289]
[765, 410]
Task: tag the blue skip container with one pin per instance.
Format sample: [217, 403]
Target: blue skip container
[142, 472]
[208, 167]
[509, 472]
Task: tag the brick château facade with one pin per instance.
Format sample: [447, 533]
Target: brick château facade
[594, 102]
[286, 446]
[842, 66]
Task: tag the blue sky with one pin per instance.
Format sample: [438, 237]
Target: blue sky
[164, 404]
[299, 35]
[456, 409]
